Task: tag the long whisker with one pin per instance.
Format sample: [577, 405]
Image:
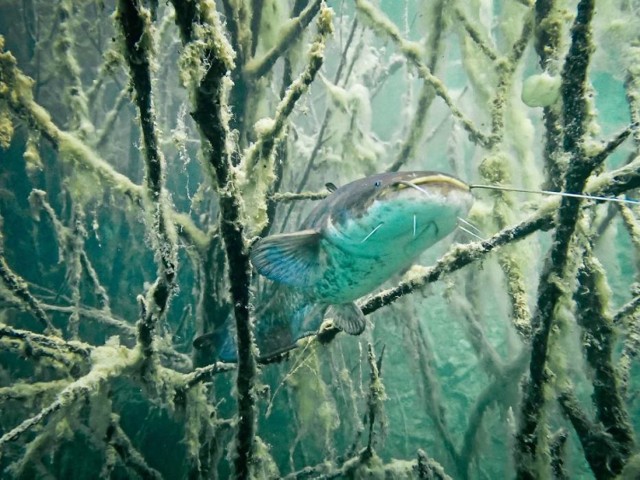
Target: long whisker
[371, 233]
[560, 194]
[470, 233]
[413, 185]
[470, 225]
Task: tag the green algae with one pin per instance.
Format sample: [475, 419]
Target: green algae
[111, 224]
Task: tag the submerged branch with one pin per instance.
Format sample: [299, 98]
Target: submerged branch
[35, 345]
[135, 21]
[427, 94]
[600, 449]
[598, 343]
[18, 288]
[575, 120]
[411, 51]
[71, 149]
[293, 28]
[211, 114]
[108, 362]
[120, 442]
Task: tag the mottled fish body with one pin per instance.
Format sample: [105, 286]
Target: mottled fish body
[350, 244]
[357, 238]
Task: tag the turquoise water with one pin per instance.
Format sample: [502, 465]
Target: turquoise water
[144, 148]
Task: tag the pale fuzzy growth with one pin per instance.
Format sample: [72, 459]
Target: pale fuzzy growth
[206, 36]
[413, 52]
[72, 150]
[31, 155]
[414, 273]
[83, 184]
[274, 15]
[377, 395]
[520, 139]
[541, 90]
[198, 428]
[632, 225]
[513, 261]
[350, 127]
[511, 24]
[517, 133]
[87, 162]
[615, 32]
[633, 86]
[316, 412]
[6, 125]
[564, 352]
[67, 65]
[263, 464]
[494, 169]
[478, 66]
[257, 171]
[47, 438]
[107, 362]
[28, 394]
[559, 353]
[74, 267]
[100, 412]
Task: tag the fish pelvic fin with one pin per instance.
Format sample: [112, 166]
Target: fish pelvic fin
[289, 258]
[348, 317]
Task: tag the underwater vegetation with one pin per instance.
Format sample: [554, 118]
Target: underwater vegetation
[153, 153]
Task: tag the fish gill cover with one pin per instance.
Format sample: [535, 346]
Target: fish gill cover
[148, 148]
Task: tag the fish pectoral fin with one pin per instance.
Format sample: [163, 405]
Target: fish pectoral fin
[289, 258]
[348, 317]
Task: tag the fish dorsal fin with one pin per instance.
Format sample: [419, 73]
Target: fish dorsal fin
[289, 258]
[348, 317]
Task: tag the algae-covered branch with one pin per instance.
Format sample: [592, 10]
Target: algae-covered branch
[319, 239]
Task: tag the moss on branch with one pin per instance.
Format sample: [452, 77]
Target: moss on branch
[211, 115]
[548, 40]
[73, 151]
[107, 362]
[37, 346]
[598, 343]
[575, 119]
[412, 52]
[289, 32]
[135, 26]
[18, 287]
[259, 159]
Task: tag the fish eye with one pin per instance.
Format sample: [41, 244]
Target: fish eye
[377, 183]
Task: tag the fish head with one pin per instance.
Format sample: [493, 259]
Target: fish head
[414, 209]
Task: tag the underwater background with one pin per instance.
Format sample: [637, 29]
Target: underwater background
[145, 145]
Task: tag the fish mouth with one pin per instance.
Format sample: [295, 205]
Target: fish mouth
[429, 185]
[439, 181]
